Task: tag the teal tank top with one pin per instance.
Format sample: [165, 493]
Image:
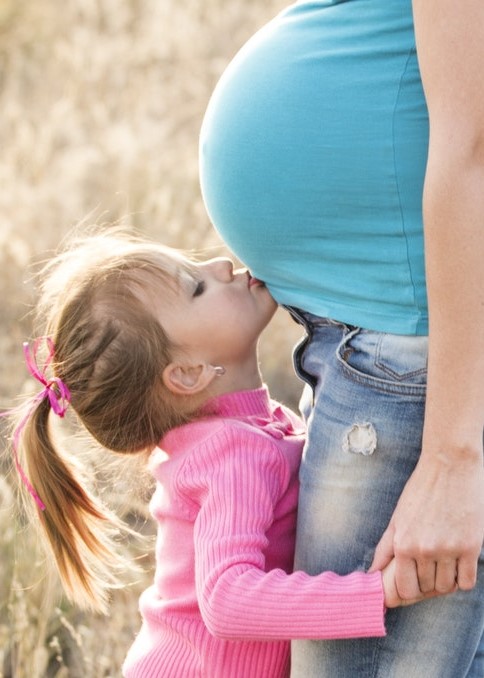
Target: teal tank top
[312, 160]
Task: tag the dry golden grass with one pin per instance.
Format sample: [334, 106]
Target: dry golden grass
[101, 105]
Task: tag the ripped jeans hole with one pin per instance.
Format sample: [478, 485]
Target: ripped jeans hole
[360, 439]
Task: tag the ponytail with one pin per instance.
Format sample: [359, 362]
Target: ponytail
[78, 529]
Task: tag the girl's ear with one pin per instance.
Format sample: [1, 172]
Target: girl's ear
[183, 379]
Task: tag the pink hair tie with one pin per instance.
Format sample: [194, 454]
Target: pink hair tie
[54, 389]
[59, 397]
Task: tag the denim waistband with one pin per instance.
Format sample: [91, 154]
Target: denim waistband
[308, 320]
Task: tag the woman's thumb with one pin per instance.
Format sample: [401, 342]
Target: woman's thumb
[384, 551]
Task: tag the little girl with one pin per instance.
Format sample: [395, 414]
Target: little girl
[154, 351]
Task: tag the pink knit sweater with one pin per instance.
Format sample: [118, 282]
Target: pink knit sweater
[223, 603]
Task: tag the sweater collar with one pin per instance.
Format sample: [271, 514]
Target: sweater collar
[250, 403]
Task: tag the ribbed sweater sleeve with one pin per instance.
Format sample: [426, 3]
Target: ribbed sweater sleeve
[237, 478]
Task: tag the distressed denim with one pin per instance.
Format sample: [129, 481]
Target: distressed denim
[364, 403]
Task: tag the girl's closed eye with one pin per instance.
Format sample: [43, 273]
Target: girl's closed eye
[199, 288]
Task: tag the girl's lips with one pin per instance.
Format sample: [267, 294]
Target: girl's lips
[254, 281]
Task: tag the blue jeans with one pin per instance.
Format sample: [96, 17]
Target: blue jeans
[364, 404]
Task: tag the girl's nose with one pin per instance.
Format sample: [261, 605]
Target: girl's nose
[221, 267]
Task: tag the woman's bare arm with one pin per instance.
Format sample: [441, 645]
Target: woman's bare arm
[437, 529]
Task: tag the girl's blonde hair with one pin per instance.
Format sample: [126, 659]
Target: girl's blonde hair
[110, 350]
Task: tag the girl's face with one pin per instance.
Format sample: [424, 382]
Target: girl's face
[217, 314]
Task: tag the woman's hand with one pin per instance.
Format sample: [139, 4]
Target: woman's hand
[436, 532]
[392, 597]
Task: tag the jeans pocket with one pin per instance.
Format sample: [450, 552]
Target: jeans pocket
[385, 361]
[297, 356]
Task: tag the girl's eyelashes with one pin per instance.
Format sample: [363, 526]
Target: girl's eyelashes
[199, 288]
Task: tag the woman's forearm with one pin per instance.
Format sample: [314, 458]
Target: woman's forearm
[454, 246]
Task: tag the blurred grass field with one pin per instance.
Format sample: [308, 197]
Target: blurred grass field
[101, 103]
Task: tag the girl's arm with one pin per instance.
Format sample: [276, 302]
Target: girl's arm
[437, 530]
[241, 481]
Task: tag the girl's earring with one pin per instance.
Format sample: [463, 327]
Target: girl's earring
[219, 370]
